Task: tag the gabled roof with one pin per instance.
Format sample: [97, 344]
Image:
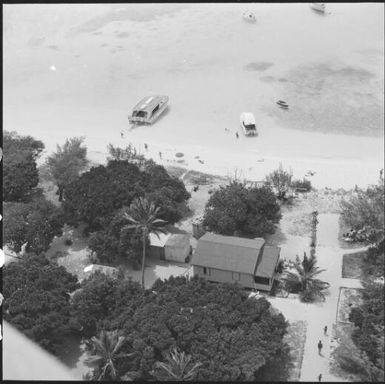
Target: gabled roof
[228, 253]
[158, 240]
[178, 240]
[268, 261]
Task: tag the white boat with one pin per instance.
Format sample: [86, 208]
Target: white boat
[148, 110]
[319, 7]
[248, 124]
[249, 16]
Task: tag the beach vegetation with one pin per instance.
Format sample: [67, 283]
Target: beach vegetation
[20, 173]
[302, 279]
[231, 335]
[280, 180]
[35, 224]
[37, 300]
[238, 210]
[303, 185]
[66, 164]
[364, 210]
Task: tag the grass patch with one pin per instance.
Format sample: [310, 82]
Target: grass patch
[352, 265]
[349, 298]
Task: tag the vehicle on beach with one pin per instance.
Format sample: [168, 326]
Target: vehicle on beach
[249, 16]
[248, 124]
[319, 7]
[148, 110]
[283, 104]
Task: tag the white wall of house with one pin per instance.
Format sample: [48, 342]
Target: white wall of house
[221, 276]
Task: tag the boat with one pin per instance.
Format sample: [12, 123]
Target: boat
[148, 110]
[249, 16]
[248, 124]
[283, 104]
[319, 7]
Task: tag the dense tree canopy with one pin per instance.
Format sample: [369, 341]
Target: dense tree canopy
[231, 335]
[242, 211]
[37, 300]
[369, 332]
[96, 195]
[35, 223]
[20, 174]
[67, 162]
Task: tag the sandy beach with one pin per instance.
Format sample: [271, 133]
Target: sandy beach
[80, 69]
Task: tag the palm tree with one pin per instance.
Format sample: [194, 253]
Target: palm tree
[303, 279]
[178, 367]
[106, 353]
[143, 216]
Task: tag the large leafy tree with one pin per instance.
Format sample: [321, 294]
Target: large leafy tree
[97, 195]
[177, 367]
[105, 353]
[143, 216]
[303, 279]
[67, 162]
[216, 324]
[242, 211]
[35, 224]
[20, 174]
[365, 210]
[37, 300]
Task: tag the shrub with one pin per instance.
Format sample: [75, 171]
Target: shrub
[67, 242]
[303, 185]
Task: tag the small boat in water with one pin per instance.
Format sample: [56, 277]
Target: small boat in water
[283, 104]
[249, 16]
[319, 7]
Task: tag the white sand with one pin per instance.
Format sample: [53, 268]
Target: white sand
[106, 57]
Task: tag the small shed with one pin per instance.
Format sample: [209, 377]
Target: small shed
[157, 245]
[197, 227]
[177, 248]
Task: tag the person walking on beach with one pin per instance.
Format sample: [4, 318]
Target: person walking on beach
[325, 330]
[121, 135]
[145, 146]
[236, 134]
[320, 347]
[320, 377]
[160, 155]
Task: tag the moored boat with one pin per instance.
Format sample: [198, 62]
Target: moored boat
[249, 16]
[148, 110]
[283, 104]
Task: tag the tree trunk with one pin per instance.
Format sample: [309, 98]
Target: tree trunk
[61, 191]
[143, 257]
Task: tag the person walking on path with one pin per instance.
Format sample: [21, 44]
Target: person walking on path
[320, 377]
[236, 134]
[325, 330]
[320, 347]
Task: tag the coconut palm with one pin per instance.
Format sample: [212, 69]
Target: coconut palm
[105, 354]
[143, 216]
[178, 367]
[303, 279]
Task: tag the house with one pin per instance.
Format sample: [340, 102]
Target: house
[157, 243]
[177, 248]
[109, 271]
[172, 247]
[227, 259]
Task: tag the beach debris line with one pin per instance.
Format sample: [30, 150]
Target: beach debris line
[148, 110]
[248, 125]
